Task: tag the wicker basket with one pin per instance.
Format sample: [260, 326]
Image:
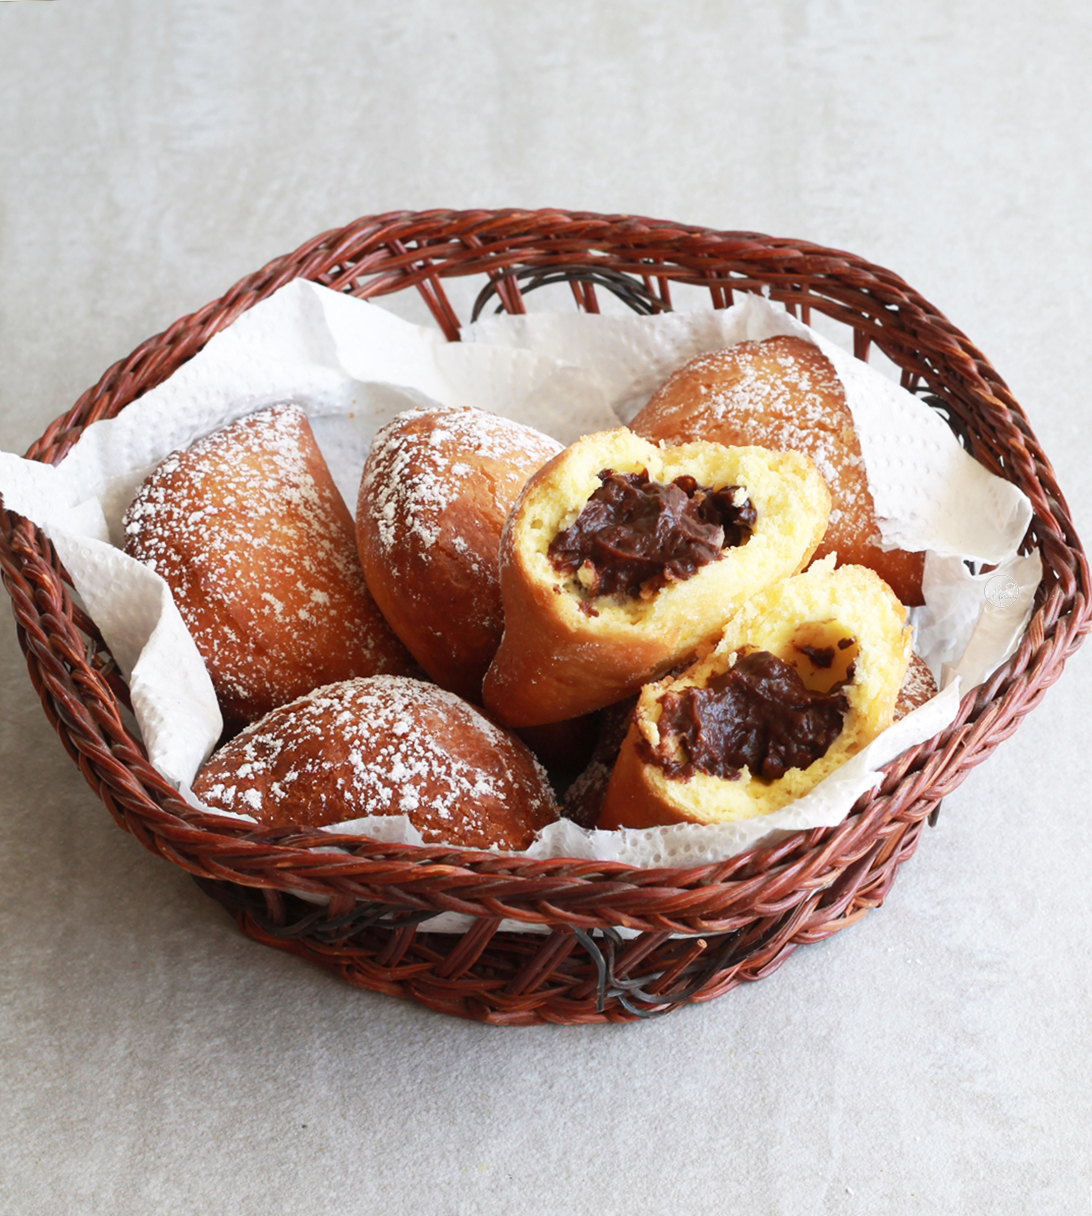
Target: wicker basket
[699, 931]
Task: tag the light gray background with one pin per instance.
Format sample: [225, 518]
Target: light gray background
[934, 1058]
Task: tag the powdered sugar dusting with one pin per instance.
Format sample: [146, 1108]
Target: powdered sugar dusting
[260, 555]
[407, 486]
[436, 489]
[781, 393]
[918, 686]
[383, 745]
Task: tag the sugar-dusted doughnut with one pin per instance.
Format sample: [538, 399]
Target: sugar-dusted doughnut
[384, 745]
[783, 392]
[257, 546]
[436, 489]
[806, 674]
[621, 559]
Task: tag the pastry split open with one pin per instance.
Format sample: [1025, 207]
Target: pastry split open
[621, 559]
[806, 675]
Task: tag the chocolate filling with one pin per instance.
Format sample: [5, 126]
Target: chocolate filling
[635, 535]
[759, 713]
[821, 656]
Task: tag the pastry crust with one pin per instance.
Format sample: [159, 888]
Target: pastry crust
[918, 686]
[385, 745]
[583, 800]
[257, 547]
[817, 610]
[566, 651]
[436, 489]
[783, 392]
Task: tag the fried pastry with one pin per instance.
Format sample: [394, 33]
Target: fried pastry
[257, 547]
[622, 559]
[384, 745]
[806, 674]
[783, 392]
[436, 489]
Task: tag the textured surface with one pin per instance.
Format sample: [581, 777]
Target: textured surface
[936, 1057]
[383, 746]
[434, 494]
[258, 548]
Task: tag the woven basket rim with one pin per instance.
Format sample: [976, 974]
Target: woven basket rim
[707, 898]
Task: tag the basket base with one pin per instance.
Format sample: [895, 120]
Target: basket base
[564, 976]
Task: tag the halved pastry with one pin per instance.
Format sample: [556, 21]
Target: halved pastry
[621, 559]
[806, 675]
